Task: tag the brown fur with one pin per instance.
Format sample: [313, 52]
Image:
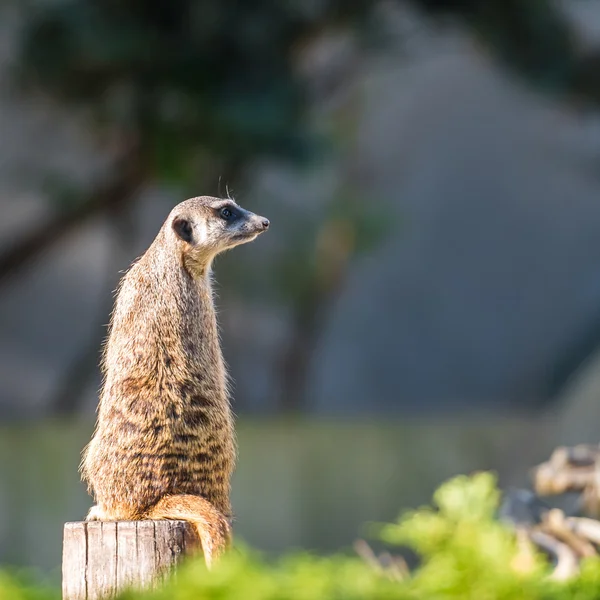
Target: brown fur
[164, 443]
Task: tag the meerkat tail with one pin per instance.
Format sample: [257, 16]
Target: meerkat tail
[212, 526]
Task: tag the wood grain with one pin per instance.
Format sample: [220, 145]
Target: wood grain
[102, 558]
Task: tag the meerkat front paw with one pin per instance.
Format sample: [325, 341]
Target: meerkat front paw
[95, 514]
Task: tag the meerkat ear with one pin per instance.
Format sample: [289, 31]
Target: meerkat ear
[184, 229]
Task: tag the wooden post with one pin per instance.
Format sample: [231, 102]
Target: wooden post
[100, 558]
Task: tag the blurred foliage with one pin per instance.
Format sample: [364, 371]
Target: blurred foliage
[217, 82]
[189, 77]
[531, 37]
[13, 587]
[194, 90]
[465, 553]
[321, 247]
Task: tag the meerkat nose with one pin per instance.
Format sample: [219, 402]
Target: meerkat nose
[265, 223]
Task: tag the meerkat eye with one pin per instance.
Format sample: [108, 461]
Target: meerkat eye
[226, 213]
[184, 230]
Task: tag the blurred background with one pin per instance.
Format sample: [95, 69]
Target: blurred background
[427, 300]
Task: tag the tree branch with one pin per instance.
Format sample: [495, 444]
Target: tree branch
[129, 179]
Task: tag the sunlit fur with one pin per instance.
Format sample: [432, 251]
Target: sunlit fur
[164, 444]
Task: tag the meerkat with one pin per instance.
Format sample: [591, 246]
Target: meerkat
[164, 444]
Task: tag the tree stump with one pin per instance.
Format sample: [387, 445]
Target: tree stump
[101, 558]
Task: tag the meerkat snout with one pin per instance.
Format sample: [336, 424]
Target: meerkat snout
[238, 225]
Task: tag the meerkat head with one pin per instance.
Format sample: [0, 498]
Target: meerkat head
[204, 226]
